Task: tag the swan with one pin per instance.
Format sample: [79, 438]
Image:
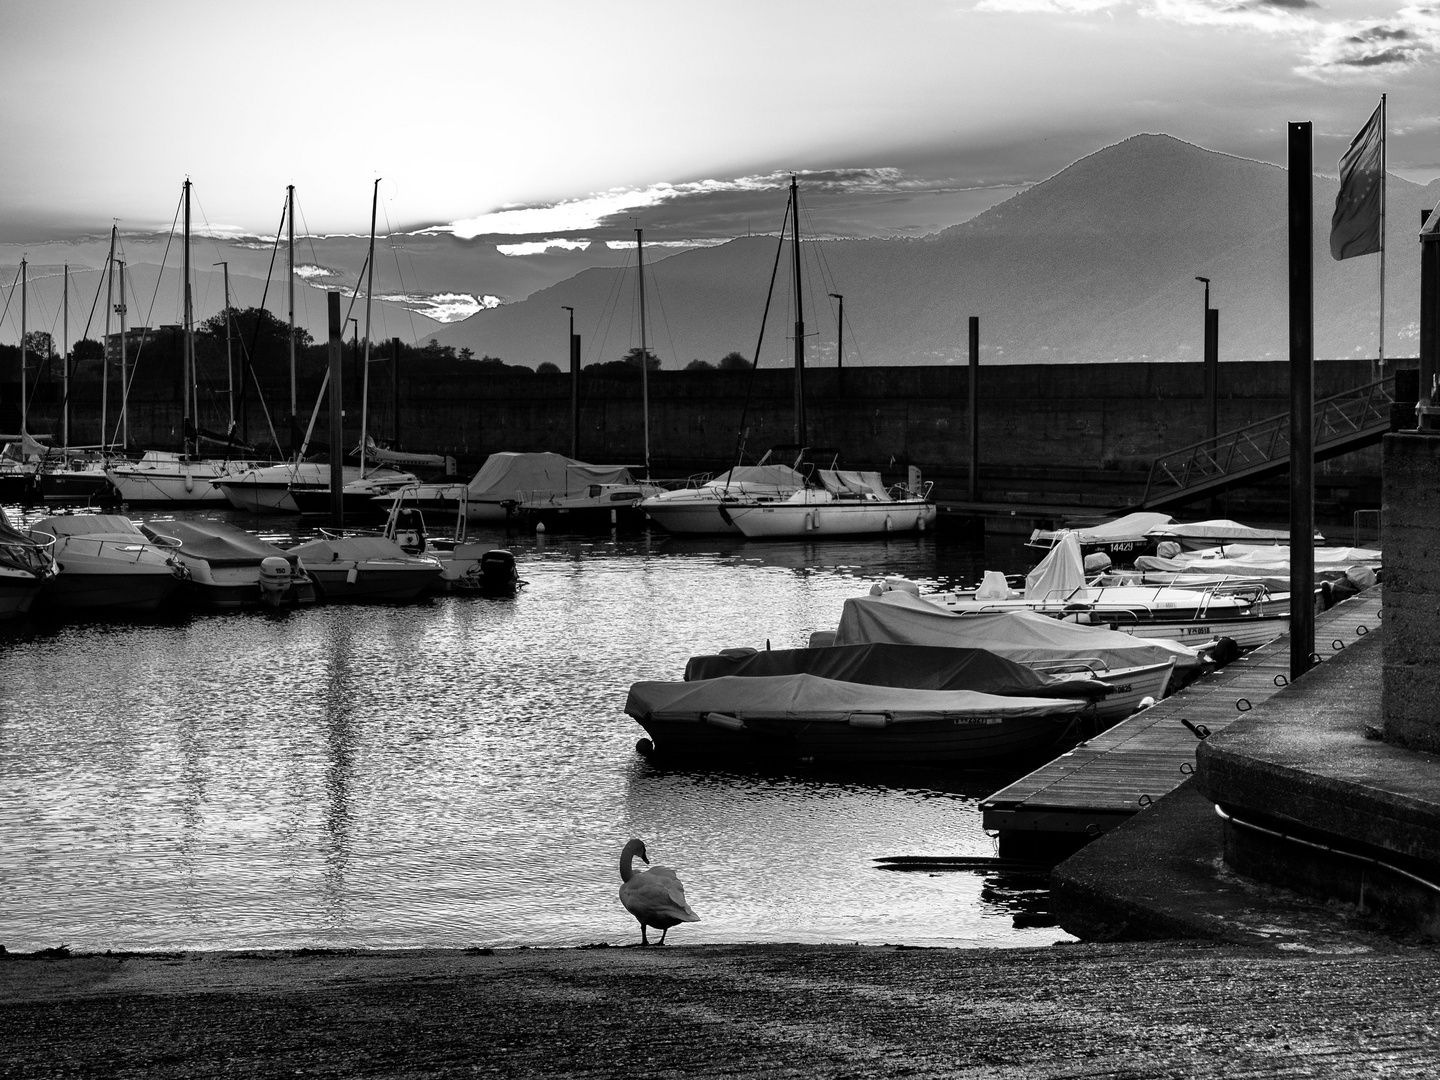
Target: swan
[655, 896]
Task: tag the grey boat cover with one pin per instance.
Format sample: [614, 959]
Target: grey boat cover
[508, 475]
[919, 667]
[89, 525]
[217, 542]
[1023, 636]
[780, 476]
[1128, 527]
[809, 697]
[1221, 531]
[349, 549]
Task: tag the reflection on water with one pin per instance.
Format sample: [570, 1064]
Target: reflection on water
[461, 772]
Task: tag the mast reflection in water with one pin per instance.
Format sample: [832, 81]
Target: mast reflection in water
[461, 772]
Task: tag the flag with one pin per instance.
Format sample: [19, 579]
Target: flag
[1355, 228]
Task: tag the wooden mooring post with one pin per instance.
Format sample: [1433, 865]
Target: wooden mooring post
[1302, 399]
[337, 416]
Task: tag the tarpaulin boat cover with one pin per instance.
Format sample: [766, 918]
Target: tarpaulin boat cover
[846, 481]
[1061, 574]
[89, 525]
[1273, 555]
[217, 542]
[508, 475]
[779, 476]
[1221, 530]
[1129, 527]
[1022, 636]
[920, 667]
[809, 697]
[348, 549]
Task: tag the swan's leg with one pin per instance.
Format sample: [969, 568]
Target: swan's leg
[643, 939]
[662, 935]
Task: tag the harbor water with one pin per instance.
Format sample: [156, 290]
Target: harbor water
[461, 772]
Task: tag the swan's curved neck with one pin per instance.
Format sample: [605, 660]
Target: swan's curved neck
[627, 860]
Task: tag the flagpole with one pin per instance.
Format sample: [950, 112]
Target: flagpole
[1382, 232]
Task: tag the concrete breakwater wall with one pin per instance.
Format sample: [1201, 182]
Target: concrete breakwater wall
[1042, 428]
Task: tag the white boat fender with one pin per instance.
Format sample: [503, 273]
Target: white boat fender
[868, 720]
[540, 526]
[888, 523]
[189, 480]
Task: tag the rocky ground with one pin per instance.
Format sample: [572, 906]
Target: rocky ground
[1159, 1009]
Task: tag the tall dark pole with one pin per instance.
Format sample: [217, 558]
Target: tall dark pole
[1211, 357]
[574, 354]
[1426, 418]
[839, 346]
[395, 391]
[974, 408]
[337, 433]
[799, 317]
[1302, 398]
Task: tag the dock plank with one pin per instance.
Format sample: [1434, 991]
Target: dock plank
[1103, 781]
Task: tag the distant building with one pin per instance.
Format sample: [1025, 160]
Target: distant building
[135, 336]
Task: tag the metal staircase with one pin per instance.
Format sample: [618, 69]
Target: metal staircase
[1344, 422]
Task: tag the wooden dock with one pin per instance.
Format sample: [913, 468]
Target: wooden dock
[1102, 782]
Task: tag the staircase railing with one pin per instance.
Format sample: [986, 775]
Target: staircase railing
[1343, 421]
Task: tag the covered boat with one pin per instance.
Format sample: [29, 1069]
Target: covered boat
[365, 569]
[1343, 569]
[1194, 535]
[1121, 539]
[105, 564]
[230, 568]
[698, 509]
[807, 718]
[1138, 668]
[917, 667]
[508, 479]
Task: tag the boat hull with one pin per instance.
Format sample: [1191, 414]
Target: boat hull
[129, 591]
[345, 583]
[798, 520]
[18, 590]
[259, 496]
[692, 517]
[76, 485]
[978, 740]
[193, 486]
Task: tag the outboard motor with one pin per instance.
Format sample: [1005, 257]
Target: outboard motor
[275, 579]
[410, 531]
[498, 576]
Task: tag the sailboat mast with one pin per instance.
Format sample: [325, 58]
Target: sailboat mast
[229, 364]
[105, 353]
[369, 291]
[644, 352]
[65, 361]
[24, 393]
[290, 285]
[124, 365]
[799, 317]
[191, 422]
[1382, 232]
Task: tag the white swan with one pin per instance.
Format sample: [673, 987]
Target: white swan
[655, 896]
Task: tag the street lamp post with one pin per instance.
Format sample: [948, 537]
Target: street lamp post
[1212, 363]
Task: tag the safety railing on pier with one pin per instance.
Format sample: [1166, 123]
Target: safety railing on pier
[1343, 422]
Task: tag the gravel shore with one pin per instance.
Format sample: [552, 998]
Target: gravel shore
[1153, 1009]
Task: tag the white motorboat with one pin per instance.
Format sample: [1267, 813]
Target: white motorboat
[848, 504]
[1338, 570]
[811, 719]
[365, 569]
[465, 566]
[1247, 613]
[697, 509]
[25, 565]
[229, 568]
[1122, 539]
[104, 564]
[1194, 535]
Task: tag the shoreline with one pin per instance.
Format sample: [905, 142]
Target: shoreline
[1120, 1009]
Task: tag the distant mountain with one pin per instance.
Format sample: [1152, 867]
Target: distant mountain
[1098, 263]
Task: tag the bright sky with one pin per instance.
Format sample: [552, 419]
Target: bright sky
[538, 118]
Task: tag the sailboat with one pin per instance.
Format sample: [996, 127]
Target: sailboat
[845, 503]
[164, 477]
[22, 454]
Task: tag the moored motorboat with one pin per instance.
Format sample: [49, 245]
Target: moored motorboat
[1122, 539]
[1194, 535]
[162, 478]
[25, 565]
[597, 508]
[507, 479]
[104, 564]
[365, 569]
[811, 719]
[266, 489]
[230, 568]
